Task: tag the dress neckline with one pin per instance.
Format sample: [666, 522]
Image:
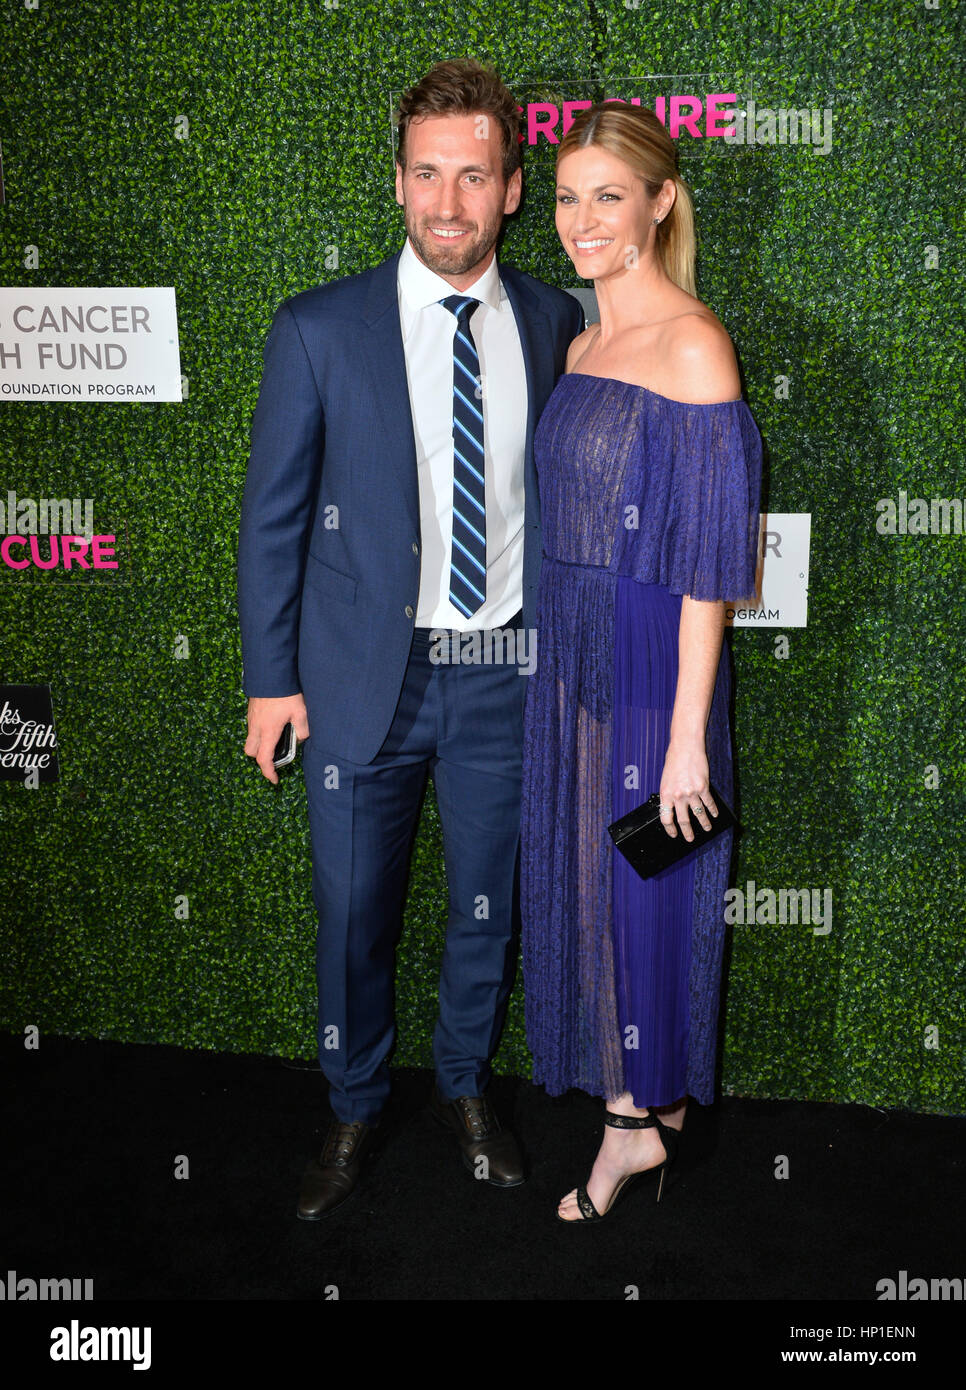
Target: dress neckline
[692, 405]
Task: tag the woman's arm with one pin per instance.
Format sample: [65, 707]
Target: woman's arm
[702, 360]
[684, 781]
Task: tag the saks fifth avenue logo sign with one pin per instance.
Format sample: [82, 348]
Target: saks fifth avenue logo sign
[52, 533]
[27, 738]
[86, 344]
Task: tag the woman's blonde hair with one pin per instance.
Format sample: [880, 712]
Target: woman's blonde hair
[636, 136]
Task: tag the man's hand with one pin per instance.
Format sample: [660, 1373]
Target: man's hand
[266, 720]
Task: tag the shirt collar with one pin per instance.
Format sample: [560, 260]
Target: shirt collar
[421, 286]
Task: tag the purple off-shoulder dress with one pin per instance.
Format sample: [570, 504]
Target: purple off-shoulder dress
[643, 499]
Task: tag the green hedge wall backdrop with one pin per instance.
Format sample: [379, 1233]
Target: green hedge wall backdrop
[226, 149]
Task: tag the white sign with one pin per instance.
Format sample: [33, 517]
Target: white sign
[68, 345]
[781, 584]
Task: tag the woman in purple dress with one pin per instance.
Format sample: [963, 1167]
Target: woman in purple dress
[650, 467]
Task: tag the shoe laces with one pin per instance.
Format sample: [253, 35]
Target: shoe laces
[477, 1115]
[340, 1141]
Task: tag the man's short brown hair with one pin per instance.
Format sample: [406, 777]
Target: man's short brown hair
[463, 87]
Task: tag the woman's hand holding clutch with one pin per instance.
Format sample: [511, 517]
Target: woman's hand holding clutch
[685, 788]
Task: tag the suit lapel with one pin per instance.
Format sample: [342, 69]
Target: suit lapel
[385, 362]
[534, 333]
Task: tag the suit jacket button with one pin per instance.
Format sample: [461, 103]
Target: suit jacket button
[415, 548]
[409, 610]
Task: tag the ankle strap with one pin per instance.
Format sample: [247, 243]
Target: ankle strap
[633, 1121]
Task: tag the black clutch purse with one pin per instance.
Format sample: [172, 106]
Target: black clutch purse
[646, 845]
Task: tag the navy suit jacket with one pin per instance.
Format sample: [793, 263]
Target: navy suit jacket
[329, 540]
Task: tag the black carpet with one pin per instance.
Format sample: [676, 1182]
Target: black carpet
[94, 1132]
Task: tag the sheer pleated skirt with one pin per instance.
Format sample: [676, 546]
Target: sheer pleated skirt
[668, 931]
[622, 975]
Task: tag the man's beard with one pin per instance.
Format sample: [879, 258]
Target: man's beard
[463, 255]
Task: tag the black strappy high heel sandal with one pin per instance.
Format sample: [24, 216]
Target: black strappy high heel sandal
[669, 1138]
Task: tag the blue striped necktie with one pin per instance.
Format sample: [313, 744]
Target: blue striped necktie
[467, 581]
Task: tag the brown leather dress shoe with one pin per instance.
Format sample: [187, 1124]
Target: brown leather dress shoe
[331, 1178]
[489, 1151]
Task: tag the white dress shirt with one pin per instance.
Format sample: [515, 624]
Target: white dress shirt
[427, 332]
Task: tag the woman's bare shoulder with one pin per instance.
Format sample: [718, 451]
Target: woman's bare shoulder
[699, 359]
[580, 345]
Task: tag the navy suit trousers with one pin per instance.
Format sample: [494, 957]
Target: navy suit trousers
[463, 723]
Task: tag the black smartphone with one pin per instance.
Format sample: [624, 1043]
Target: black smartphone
[286, 747]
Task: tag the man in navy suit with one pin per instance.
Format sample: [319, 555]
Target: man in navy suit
[391, 496]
